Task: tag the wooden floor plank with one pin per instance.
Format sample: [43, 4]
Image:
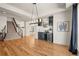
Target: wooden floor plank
[28, 46]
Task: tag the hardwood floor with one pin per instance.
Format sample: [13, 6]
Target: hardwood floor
[27, 46]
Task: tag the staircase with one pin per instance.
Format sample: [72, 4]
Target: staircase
[3, 34]
[10, 27]
[11, 31]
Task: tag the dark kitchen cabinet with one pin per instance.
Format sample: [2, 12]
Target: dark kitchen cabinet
[41, 35]
[50, 20]
[50, 37]
[45, 36]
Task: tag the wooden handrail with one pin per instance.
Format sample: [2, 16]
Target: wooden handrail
[15, 22]
[17, 28]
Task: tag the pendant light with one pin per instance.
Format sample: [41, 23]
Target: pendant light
[38, 18]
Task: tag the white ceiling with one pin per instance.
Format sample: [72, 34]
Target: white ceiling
[24, 10]
[42, 7]
[8, 13]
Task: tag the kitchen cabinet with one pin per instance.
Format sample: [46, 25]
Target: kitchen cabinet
[51, 21]
[45, 36]
[50, 37]
[41, 35]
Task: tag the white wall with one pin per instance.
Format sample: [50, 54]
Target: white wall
[69, 17]
[62, 37]
[3, 21]
[68, 5]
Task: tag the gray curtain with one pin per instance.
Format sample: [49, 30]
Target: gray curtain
[73, 42]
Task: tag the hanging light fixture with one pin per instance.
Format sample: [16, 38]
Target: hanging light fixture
[38, 18]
